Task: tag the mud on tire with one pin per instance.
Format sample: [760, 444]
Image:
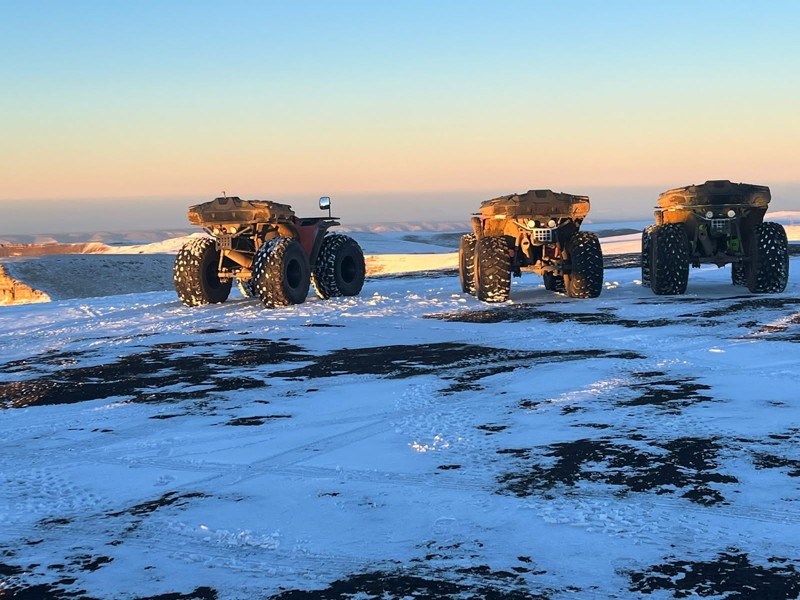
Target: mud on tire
[768, 269]
[586, 260]
[492, 269]
[647, 258]
[196, 274]
[669, 262]
[281, 273]
[466, 263]
[340, 267]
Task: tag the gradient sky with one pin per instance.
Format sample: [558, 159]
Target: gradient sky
[370, 99]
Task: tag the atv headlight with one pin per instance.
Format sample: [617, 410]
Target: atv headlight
[551, 223]
[709, 214]
[731, 213]
[531, 223]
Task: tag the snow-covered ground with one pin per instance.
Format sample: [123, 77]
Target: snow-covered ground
[411, 442]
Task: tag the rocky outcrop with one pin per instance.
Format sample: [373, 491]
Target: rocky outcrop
[16, 292]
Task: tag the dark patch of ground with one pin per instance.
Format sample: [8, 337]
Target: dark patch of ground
[513, 313]
[140, 511]
[766, 460]
[688, 464]
[49, 358]
[388, 585]
[731, 575]
[255, 420]
[463, 363]
[168, 499]
[489, 429]
[668, 394]
[141, 377]
[749, 305]
[200, 593]
[16, 581]
[788, 331]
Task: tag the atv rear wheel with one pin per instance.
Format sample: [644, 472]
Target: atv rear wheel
[669, 249]
[553, 283]
[196, 274]
[492, 269]
[586, 261]
[768, 269]
[466, 263]
[340, 267]
[647, 258]
[281, 274]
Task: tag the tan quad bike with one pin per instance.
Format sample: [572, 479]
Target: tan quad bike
[272, 254]
[536, 231]
[720, 223]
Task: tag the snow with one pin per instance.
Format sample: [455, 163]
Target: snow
[567, 448]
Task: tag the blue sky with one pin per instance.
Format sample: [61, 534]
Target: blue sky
[183, 99]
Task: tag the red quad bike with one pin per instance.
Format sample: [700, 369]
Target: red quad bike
[271, 253]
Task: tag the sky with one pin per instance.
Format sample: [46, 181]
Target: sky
[392, 108]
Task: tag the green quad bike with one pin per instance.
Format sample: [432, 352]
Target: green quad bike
[717, 222]
[272, 254]
[536, 231]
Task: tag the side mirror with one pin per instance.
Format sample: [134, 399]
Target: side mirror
[325, 203]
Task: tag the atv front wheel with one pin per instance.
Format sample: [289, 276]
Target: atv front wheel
[281, 274]
[669, 273]
[196, 274]
[647, 258]
[340, 268]
[492, 269]
[768, 270]
[586, 261]
[466, 263]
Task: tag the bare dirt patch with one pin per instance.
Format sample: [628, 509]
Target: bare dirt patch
[687, 465]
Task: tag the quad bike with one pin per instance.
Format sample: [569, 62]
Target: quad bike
[536, 231]
[717, 222]
[271, 253]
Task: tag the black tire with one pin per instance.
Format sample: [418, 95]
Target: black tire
[738, 274]
[466, 263]
[585, 279]
[246, 287]
[669, 248]
[553, 283]
[340, 267]
[647, 258]
[196, 274]
[768, 270]
[492, 269]
[281, 274]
